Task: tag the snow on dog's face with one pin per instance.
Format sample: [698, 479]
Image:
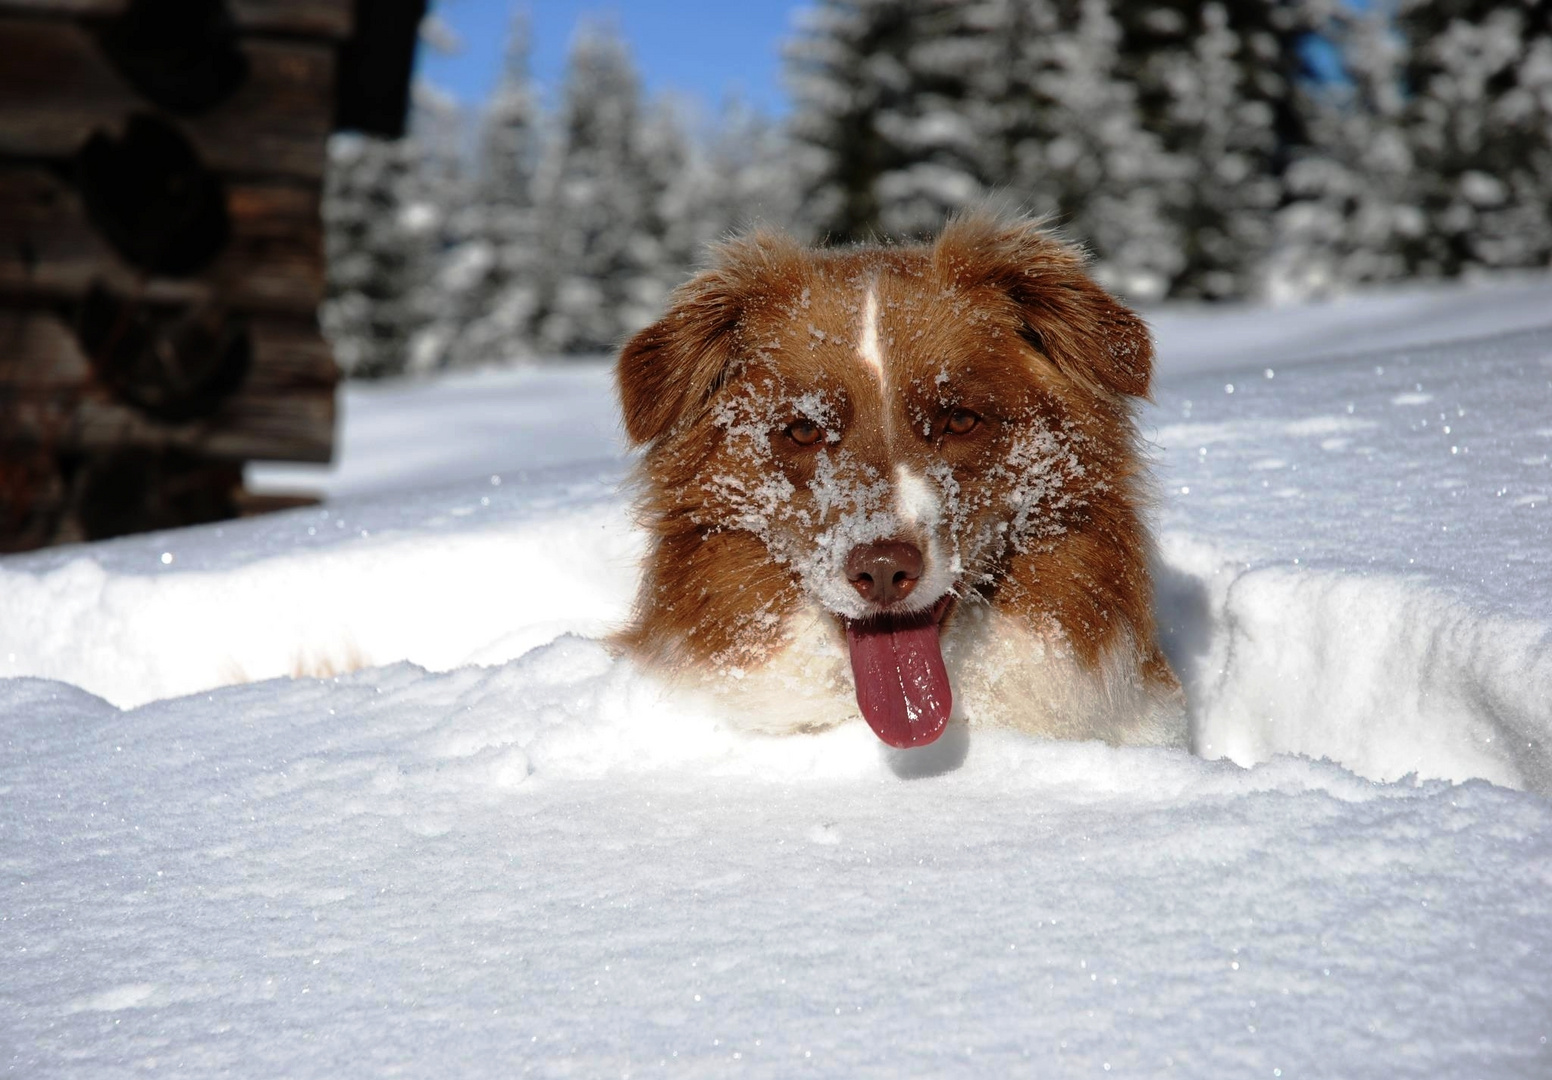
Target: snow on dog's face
[886, 434]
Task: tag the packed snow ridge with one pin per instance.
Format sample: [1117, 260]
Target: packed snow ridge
[1354, 563]
[356, 789]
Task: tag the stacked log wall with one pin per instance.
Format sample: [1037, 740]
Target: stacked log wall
[75, 419]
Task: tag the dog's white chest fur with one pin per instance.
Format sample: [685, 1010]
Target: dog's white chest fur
[1003, 674]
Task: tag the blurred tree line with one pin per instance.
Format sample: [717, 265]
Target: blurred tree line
[1267, 149]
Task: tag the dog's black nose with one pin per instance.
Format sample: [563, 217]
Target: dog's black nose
[884, 572]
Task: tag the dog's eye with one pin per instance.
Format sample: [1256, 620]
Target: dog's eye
[961, 422]
[804, 432]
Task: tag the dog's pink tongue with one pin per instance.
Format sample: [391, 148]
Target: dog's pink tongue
[902, 685]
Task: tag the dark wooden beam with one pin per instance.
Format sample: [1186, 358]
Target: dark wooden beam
[304, 18]
[49, 250]
[50, 397]
[376, 64]
[57, 88]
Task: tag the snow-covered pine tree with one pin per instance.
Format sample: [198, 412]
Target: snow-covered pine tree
[880, 130]
[1074, 142]
[1157, 138]
[487, 282]
[837, 149]
[1218, 83]
[599, 203]
[1477, 77]
[381, 227]
[943, 119]
[1348, 209]
[747, 178]
[671, 232]
[1433, 151]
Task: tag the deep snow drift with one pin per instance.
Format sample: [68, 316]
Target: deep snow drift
[518, 857]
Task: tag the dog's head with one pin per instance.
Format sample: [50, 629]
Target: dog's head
[884, 433]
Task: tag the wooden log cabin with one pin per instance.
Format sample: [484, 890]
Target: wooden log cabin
[161, 249]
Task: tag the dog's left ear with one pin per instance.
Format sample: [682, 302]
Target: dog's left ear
[1089, 335]
[671, 369]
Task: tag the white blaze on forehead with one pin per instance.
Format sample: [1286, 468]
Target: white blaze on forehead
[916, 498]
[867, 345]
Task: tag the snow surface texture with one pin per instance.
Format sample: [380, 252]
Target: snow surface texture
[499, 852]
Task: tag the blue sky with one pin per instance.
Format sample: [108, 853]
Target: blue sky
[708, 48]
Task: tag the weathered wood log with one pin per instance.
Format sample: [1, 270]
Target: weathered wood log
[50, 251]
[181, 55]
[176, 364]
[297, 425]
[74, 497]
[57, 87]
[39, 352]
[32, 498]
[152, 198]
[304, 18]
[51, 397]
[127, 490]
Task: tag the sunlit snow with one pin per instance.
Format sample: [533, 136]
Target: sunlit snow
[354, 790]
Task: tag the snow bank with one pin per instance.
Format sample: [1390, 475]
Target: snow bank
[1357, 565]
[1358, 559]
[1388, 678]
[542, 868]
[468, 574]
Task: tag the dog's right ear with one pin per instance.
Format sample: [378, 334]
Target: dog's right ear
[671, 369]
[679, 360]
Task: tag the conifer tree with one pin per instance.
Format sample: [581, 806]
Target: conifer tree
[671, 231]
[875, 141]
[1347, 209]
[1433, 152]
[1077, 148]
[1478, 123]
[594, 203]
[747, 175]
[1218, 83]
[942, 119]
[381, 236]
[487, 279]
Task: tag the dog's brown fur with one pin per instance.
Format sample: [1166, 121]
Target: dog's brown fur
[995, 317]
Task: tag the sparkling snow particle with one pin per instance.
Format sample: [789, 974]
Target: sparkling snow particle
[166, 558]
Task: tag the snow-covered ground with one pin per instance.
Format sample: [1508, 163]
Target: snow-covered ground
[488, 849]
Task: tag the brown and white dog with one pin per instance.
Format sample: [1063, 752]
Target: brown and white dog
[902, 481]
